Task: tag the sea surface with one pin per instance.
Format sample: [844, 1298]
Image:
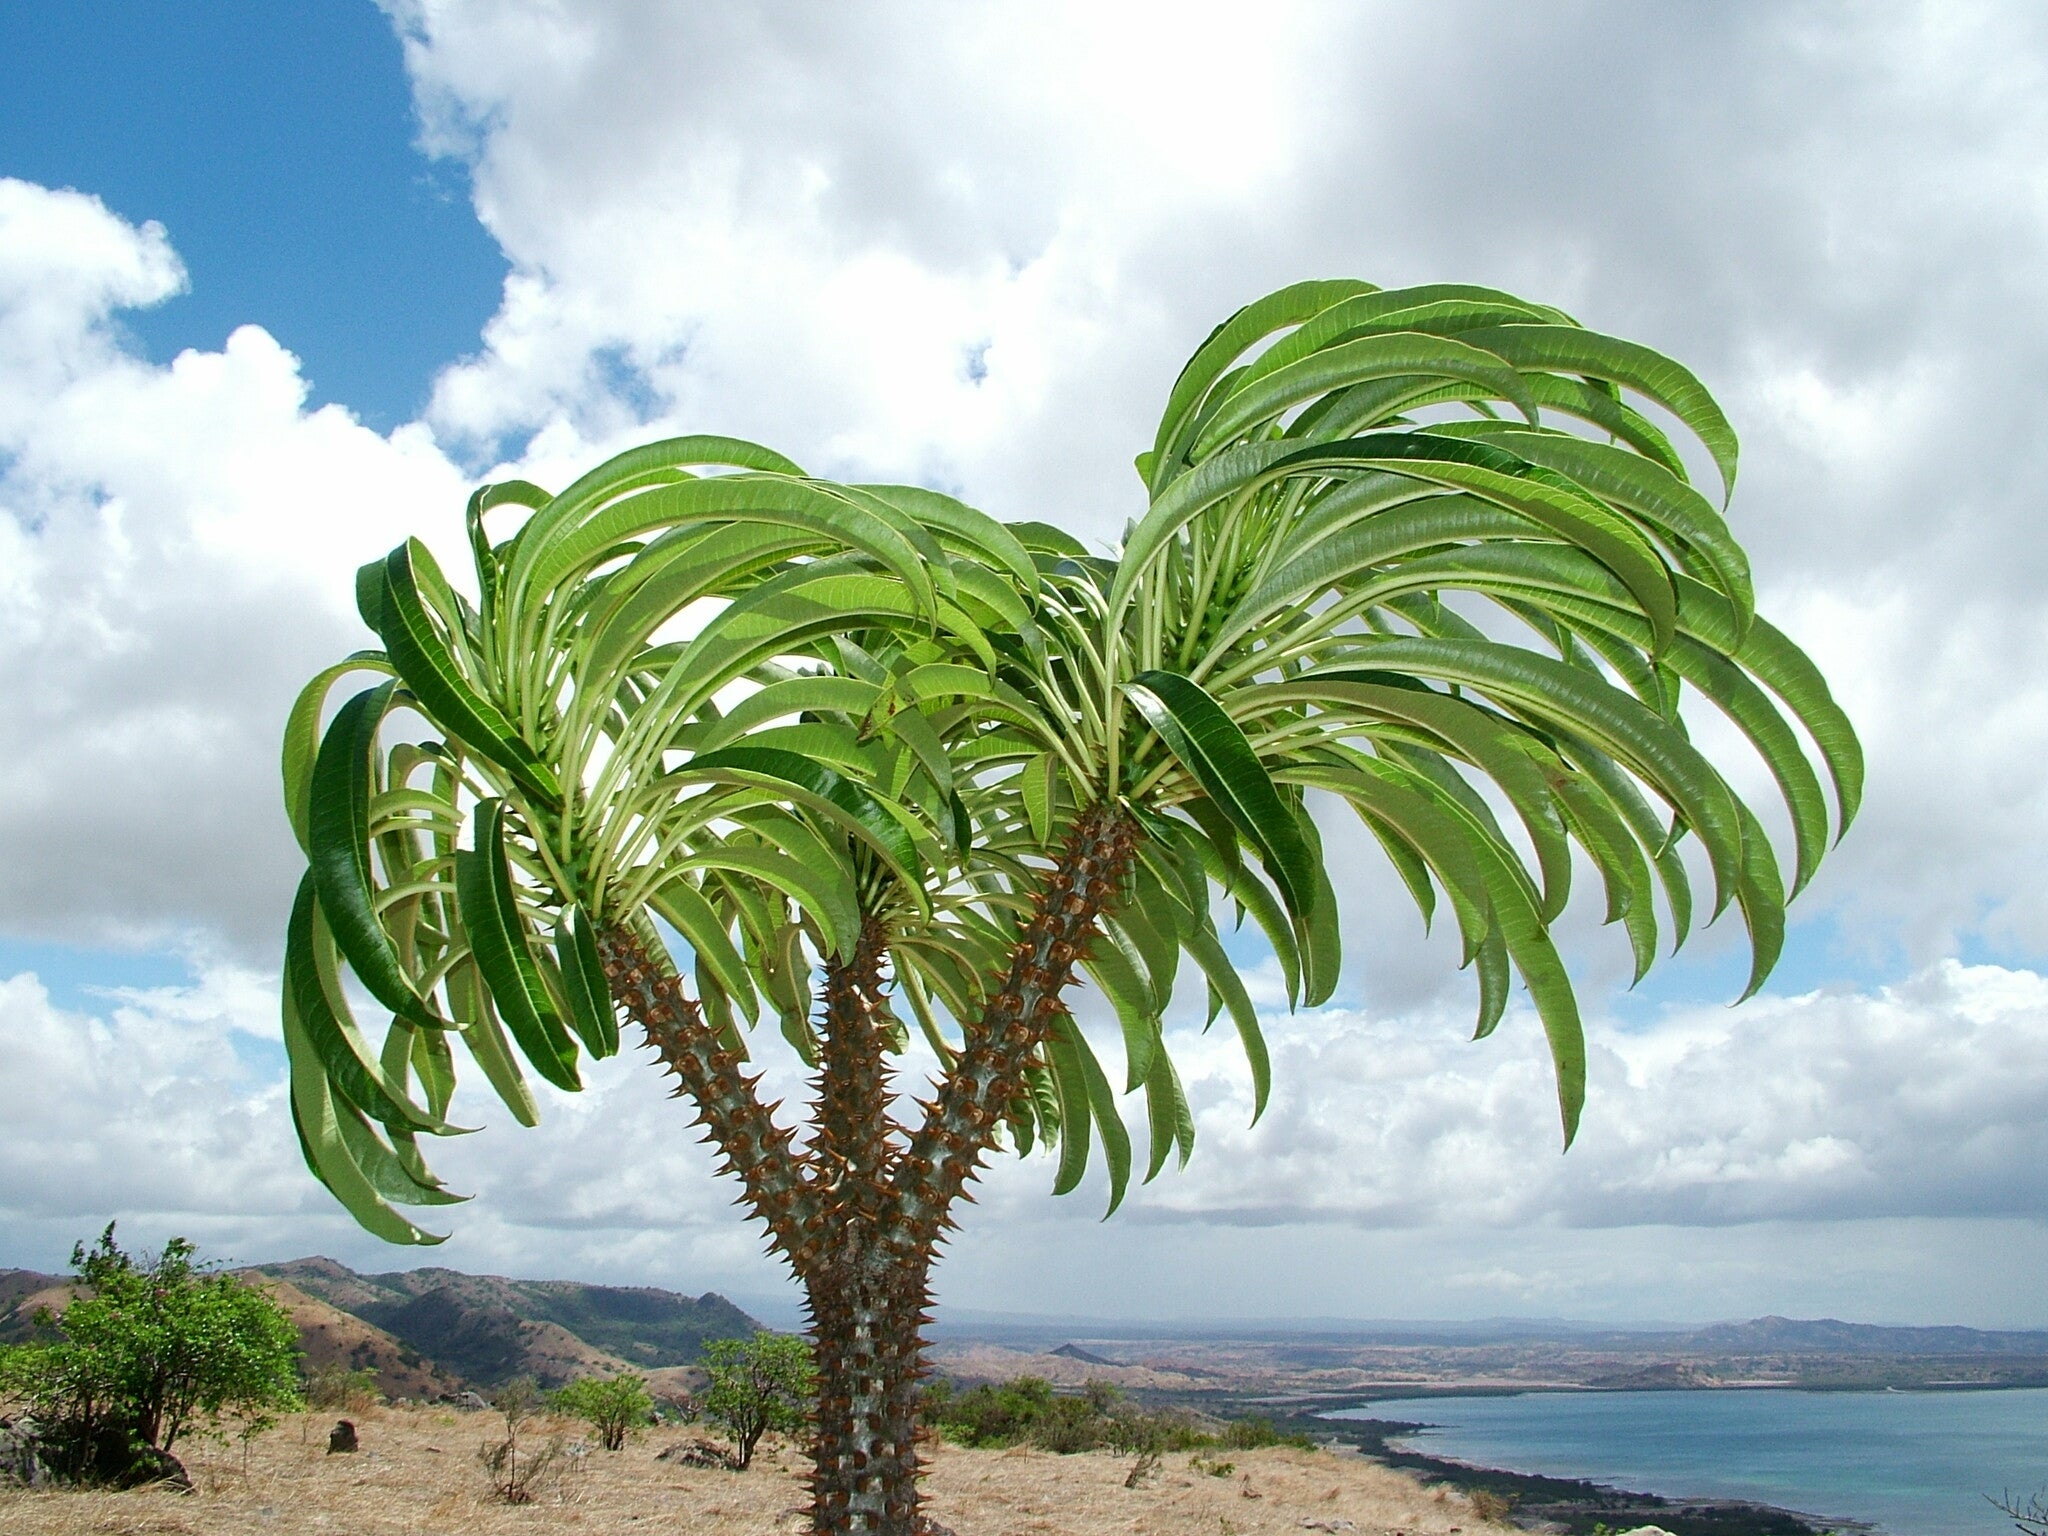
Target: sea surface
[1909, 1463]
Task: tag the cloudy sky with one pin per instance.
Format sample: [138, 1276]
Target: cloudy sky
[278, 285]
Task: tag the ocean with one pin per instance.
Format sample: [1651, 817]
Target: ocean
[1909, 1463]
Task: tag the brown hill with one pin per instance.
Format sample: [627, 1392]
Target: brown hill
[331, 1337]
[24, 1293]
[490, 1328]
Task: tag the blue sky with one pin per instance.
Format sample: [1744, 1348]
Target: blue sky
[278, 141]
[319, 267]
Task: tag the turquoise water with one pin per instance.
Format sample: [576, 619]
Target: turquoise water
[1910, 1463]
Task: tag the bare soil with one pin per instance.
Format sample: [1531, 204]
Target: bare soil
[418, 1474]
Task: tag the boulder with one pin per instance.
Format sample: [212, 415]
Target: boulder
[21, 1455]
[697, 1453]
[341, 1440]
[150, 1465]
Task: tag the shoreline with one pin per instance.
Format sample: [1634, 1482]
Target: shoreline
[1575, 1505]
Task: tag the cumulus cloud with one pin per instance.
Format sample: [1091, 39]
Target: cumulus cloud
[1860, 1111]
[1916, 1099]
[1833, 214]
[165, 1108]
[969, 247]
[176, 550]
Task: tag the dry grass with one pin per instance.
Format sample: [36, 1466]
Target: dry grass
[418, 1475]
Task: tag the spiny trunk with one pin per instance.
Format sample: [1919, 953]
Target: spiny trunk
[851, 1144]
[866, 1297]
[867, 1315]
[858, 1219]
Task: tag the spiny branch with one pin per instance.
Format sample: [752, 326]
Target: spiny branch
[852, 1146]
[987, 1077]
[771, 1171]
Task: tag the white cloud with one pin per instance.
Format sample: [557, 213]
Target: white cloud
[176, 556]
[970, 246]
[1913, 1100]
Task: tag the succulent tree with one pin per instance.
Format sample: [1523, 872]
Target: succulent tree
[708, 742]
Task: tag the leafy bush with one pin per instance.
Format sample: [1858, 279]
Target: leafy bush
[336, 1386]
[757, 1384]
[610, 1405]
[990, 1413]
[1027, 1411]
[153, 1350]
[1256, 1432]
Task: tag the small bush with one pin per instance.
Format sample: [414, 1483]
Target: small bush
[612, 1406]
[1027, 1411]
[757, 1384]
[1256, 1433]
[154, 1349]
[1491, 1507]
[336, 1386]
[517, 1479]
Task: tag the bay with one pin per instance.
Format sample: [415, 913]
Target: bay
[1909, 1463]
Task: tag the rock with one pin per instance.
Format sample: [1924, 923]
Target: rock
[472, 1401]
[21, 1455]
[152, 1466]
[341, 1440]
[697, 1453]
[1328, 1525]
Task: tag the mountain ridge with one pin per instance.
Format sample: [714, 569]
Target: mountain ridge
[490, 1328]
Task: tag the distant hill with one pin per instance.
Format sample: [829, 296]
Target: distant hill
[488, 1328]
[1829, 1336]
[329, 1336]
[24, 1292]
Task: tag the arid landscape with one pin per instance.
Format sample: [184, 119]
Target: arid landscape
[1303, 1371]
[418, 1474]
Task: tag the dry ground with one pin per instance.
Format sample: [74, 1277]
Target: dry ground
[418, 1475]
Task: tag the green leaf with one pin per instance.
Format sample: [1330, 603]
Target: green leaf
[1169, 1119]
[584, 984]
[499, 941]
[485, 1037]
[338, 834]
[826, 893]
[320, 1010]
[1036, 786]
[1084, 1095]
[1556, 695]
[1256, 400]
[1207, 952]
[327, 1155]
[1288, 307]
[683, 907]
[848, 804]
[1208, 743]
[302, 738]
[1568, 349]
[1125, 988]
[423, 659]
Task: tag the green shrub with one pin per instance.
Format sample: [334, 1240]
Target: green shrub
[336, 1386]
[757, 1384]
[610, 1405]
[1256, 1432]
[153, 1350]
[1027, 1411]
[989, 1413]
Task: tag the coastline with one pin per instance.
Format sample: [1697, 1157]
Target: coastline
[1573, 1505]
